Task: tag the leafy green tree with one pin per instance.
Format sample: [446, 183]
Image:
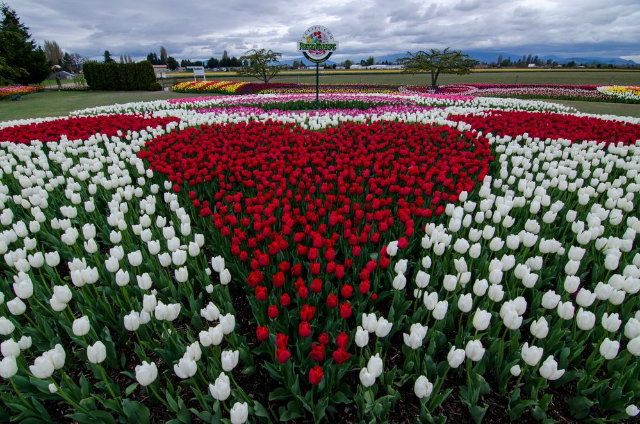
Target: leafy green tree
[23, 61]
[262, 64]
[347, 64]
[212, 62]
[172, 63]
[108, 58]
[438, 62]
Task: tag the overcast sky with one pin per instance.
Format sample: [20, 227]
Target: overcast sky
[191, 29]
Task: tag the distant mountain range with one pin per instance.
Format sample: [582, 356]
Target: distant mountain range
[489, 57]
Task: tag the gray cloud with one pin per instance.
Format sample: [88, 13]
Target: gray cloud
[201, 29]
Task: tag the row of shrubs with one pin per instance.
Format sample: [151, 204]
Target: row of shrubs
[120, 76]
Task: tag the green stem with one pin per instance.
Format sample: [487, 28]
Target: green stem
[67, 398]
[164, 402]
[106, 381]
[20, 394]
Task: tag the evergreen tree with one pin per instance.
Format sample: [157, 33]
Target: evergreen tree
[67, 63]
[107, 57]
[163, 56]
[22, 61]
[225, 62]
[212, 63]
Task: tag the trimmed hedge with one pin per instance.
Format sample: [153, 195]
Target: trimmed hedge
[119, 76]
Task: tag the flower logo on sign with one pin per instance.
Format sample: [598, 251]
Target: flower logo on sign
[317, 44]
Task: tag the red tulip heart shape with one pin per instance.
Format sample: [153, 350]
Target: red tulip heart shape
[306, 216]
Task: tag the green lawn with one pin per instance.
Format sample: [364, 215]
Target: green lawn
[60, 103]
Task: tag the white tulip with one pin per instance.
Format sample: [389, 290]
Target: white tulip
[97, 353]
[229, 359]
[531, 354]
[221, 389]
[455, 357]
[549, 369]
[611, 322]
[422, 387]
[185, 368]
[146, 373]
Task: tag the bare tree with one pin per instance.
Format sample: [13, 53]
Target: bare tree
[53, 52]
[77, 61]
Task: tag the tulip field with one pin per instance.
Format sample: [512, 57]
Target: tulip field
[390, 257]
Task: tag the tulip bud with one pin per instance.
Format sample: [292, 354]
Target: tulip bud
[611, 322]
[132, 321]
[531, 355]
[367, 379]
[549, 369]
[42, 368]
[186, 367]
[481, 319]
[374, 366]
[540, 328]
[146, 373]
[474, 350]
[221, 389]
[229, 359]
[515, 370]
[8, 367]
[362, 337]
[383, 327]
[440, 310]
[455, 357]
[465, 303]
[10, 348]
[81, 326]
[239, 413]
[97, 353]
[422, 387]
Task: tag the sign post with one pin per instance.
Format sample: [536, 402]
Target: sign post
[317, 45]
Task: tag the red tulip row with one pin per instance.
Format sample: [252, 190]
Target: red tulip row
[552, 125]
[80, 127]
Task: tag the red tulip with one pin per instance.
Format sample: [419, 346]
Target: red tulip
[261, 293]
[273, 311]
[342, 340]
[332, 301]
[345, 310]
[282, 354]
[262, 333]
[315, 375]
[340, 356]
[304, 329]
[317, 352]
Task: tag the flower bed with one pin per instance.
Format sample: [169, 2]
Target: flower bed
[18, 90]
[621, 94]
[235, 87]
[215, 258]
